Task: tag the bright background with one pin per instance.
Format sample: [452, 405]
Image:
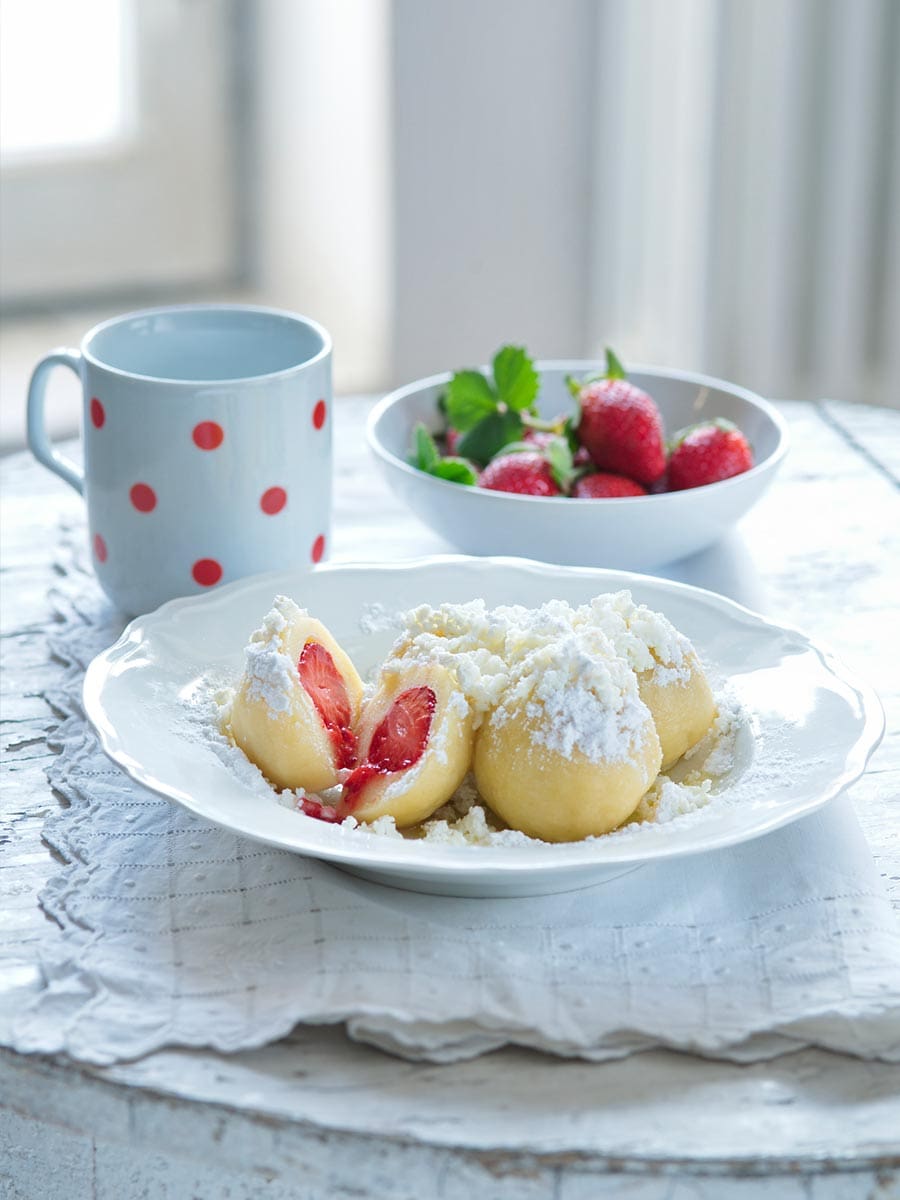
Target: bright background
[709, 184]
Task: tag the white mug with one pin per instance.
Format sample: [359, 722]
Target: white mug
[207, 446]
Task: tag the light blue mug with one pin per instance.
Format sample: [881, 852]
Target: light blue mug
[207, 446]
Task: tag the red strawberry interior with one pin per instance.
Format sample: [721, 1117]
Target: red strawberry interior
[398, 742]
[325, 686]
[322, 812]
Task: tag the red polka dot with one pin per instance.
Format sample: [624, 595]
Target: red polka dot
[318, 548]
[143, 497]
[100, 551]
[206, 572]
[98, 413]
[319, 414]
[273, 500]
[208, 435]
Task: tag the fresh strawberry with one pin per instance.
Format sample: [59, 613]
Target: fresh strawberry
[603, 485]
[706, 453]
[451, 439]
[539, 438]
[620, 425]
[525, 473]
[325, 686]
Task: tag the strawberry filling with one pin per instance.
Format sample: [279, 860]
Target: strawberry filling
[397, 744]
[325, 686]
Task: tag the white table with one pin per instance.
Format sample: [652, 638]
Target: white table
[317, 1116]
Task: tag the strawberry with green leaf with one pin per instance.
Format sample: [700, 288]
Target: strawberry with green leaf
[620, 425]
[707, 453]
[527, 471]
[426, 457]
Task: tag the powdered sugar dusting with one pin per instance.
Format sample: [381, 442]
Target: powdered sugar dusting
[579, 697]
[376, 618]
[270, 674]
[645, 639]
[573, 668]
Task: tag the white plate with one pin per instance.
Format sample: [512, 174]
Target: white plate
[816, 724]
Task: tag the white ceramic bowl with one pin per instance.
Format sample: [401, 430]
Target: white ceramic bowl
[632, 533]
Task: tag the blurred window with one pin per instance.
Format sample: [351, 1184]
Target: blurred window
[116, 147]
[94, 35]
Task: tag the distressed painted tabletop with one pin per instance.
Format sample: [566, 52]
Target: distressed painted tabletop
[317, 1116]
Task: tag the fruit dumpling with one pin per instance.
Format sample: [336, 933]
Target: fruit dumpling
[671, 680]
[682, 705]
[298, 702]
[414, 745]
[572, 748]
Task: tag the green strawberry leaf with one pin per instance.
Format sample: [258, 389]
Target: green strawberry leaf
[515, 378]
[470, 398]
[614, 368]
[426, 457]
[482, 441]
[442, 404]
[570, 433]
[456, 470]
[425, 452]
[559, 456]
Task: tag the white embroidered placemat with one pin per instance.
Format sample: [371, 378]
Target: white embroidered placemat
[176, 932]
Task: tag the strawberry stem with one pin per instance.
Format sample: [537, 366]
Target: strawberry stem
[542, 426]
[614, 368]
[574, 385]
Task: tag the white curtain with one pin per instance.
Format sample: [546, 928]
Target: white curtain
[746, 192]
[711, 184]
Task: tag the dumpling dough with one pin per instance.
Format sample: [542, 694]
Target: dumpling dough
[415, 746]
[555, 797]
[570, 752]
[298, 702]
[671, 680]
[681, 703]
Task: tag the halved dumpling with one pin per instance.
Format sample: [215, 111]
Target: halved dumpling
[681, 703]
[415, 746]
[298, 702]
[554, 796]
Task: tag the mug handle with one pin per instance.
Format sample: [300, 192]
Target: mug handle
[38, 441]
